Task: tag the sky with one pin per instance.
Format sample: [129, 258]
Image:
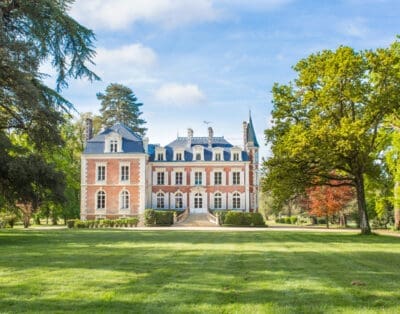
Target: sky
[190, 61]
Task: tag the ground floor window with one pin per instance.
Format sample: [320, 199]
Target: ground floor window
[160, 200]
[217, 201]
[198, 200]
[101, 200]
[178, 200]
[124, 200]
[236, 201]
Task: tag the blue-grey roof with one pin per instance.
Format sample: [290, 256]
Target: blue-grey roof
[251, 134]
[131, 142]
[182, 143]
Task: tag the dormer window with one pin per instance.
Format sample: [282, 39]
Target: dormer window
[160, 154]
[236, 153]
[218, 156]
[235, 157]
[198, 156]
[113, 146]
[198, 153]
[178, 156]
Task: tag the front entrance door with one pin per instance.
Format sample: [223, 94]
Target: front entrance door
[198, 204]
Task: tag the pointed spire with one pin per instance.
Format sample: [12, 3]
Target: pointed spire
[251, 134]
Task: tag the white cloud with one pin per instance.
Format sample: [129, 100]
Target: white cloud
[135, 55]
[120, 14]
[179, 94]
[355, 27]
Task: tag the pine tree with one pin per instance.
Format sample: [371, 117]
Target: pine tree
[119, 104]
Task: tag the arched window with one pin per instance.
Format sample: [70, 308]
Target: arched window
[178, 200]
[124, 200]
[236, 200]
[198, 200]
[101, 200]
[217, 201]
[160, 200]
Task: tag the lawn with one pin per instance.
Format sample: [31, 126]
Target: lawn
[198, 272]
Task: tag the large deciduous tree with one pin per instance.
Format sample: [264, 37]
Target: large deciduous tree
[119, 104]
[326, 123]
[31, 33]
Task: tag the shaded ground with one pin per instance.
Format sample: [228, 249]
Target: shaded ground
[196, 272]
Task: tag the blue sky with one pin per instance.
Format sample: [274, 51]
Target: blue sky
[214, 60]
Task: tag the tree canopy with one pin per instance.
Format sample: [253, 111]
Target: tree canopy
[31, 33]
[119, 104]
[326, 123]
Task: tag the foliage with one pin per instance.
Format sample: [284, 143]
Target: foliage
[71, 223]
[119, 104]
[164, 217]
[236, 218]
[326, 125]
[149, 217]
[8, 220]
[326, 200]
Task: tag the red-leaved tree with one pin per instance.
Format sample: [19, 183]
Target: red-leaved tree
[325, 201]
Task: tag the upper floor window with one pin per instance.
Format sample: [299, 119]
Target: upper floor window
[236, 177]
[113, 146]
[160, 200]
[235, 157]
[178, 156]
[217, 178]
[160, 156]
[217, 156]
[198, 156]
[160, 178]
[178, 178]
[125, 173]
[124, 200]
[236, 201]
[198, 178]
[101, 173]
[101, 200]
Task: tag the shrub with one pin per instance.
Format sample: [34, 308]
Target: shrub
[79, 224]
[257, 219]
[221, 214]
[288, 220]
[235, 218]
[164, 217]
[149, 217]
[293, 220]
[322, 221]
[133, 222]
[71, 223]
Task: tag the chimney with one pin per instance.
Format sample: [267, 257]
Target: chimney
[88, 129]
[146, 144]
[190, 137]
[210, 136]
[244, 135]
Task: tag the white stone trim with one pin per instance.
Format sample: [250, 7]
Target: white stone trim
[122, 164]
[113, 136]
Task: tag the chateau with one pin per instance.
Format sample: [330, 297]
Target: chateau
[122, 174]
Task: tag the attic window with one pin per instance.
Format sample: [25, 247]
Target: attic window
[198, 156]
[217, 156]
[113, 146]
[160, 156]
[235, 156]
[178, 156]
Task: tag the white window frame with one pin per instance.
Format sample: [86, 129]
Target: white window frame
[198, 149]
[176, 177]
[121, 172]
[98, 165]
[215, 177]
[180, 152]
[160, 175]
[124, 200]
[102, 202]
[160, 200]
[198, 178]
[234, 181]
[236, 151]
[177, 196]
[217, 195]
[236, 200]
[160, 151]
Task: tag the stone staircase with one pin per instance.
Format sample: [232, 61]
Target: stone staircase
[196, 220]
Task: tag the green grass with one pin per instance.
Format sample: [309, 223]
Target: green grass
[197, 272]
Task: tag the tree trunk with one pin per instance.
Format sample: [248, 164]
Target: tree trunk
[396, 194]
[327, 221]
[362, 205]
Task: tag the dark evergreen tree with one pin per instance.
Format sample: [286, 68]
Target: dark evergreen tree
[119, 104]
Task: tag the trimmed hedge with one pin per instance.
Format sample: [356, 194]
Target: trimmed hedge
[103, 223]
[158, 217]
[237, 218]
[287, 220]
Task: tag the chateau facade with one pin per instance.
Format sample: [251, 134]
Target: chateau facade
[122, 174]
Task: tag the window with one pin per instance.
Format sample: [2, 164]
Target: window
[198, 156]
[178, 156]
[124, 173]
[198, 178]
[101, 200]
[178, 200]
[235, 156]
[217, 178]
[236, 201]
[198, 201]
[217, 201]
[160, 178]
[218, 156]
[124, 200]
[113, 146]
[178, 178]
[160, 156]
[236, 178]
[160, 200]
[101, 173]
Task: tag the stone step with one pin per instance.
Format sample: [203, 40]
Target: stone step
[196, 220]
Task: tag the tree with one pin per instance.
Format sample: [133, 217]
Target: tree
[33, 32]
[119, 104]
[326, 201]
[326, 123]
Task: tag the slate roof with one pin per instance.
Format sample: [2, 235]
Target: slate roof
[182, 142]
[251, 134]
[131, 142]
